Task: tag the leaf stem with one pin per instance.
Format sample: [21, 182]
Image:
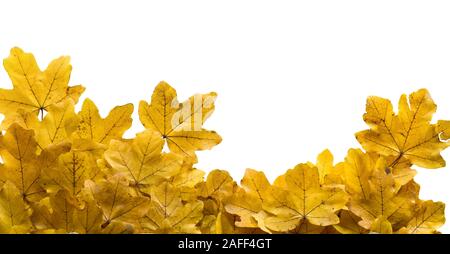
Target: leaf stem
[397, 160]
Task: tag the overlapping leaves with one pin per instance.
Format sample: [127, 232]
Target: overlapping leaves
[65, 171]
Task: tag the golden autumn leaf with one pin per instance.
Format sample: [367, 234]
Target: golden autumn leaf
[408, 134]
[302, 199]
[329, 174]
[57, 214]
[427, 219]
[35, 90]
[246, 207]
[219, 185]
[57, 125]
[443, 127]
[226, 223]
[186, 180]
[70, 172]
[187, 177]
[14, 215]
[357, 172]
[116, 202]
[168, 214]
[380, 199]
[247, 202]
[348, 223]
[180, 124]
[89, 219]
[18, 151]
[141, 160]
[93, 127]
[381, 225]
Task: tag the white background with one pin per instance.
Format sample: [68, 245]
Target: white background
[292, 76]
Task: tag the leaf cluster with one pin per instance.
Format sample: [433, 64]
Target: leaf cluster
[65, 171]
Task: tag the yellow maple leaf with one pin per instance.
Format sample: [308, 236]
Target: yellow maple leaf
[247, 202]
[14, 215]
[427, 219]
[381, 201]
[35, 90]
[70, 172]
[57, 125]
[225, 223]
[180, 124]
[219, 185]
[18, 150]
[381, 225]
[168, 214]
[186, 180]
[443, 127]
[348, 223]
[301, 199]
[93, 127]
[118, 205]
[409, 134]
[56, 214]
[329, 174]
[141, 160]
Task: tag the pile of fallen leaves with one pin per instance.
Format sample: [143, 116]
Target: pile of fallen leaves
[66, 171]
